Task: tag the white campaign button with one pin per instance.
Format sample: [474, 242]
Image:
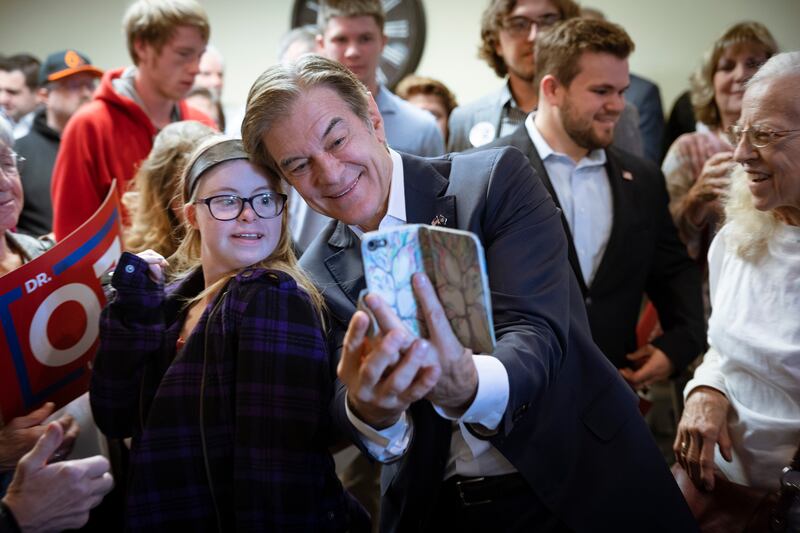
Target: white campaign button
[129, 269]
[481, 133]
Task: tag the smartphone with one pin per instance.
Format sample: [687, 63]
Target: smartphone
[454, 262]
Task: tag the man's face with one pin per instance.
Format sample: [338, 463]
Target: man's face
[591, 105]
[16, 98]
[211, 75]
[516, 38]
[67, 95]
[774, 170]
[338, 163]
[170, 72]
[355, 42]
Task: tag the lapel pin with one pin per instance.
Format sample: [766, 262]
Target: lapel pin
[626, 175]
[439, 220]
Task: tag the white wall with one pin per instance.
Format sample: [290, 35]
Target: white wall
[670, 35]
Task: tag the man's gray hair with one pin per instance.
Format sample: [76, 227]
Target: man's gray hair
[780, 65]
[303, 34]
[214, 51]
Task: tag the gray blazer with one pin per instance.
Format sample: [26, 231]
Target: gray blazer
[490, 107]
[571, 426]
[408, 128]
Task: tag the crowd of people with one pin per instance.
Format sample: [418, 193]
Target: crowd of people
[238, 355]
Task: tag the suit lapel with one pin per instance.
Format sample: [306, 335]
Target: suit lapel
[425, 190]
[344, 264]
[622, 200]
[522, 140]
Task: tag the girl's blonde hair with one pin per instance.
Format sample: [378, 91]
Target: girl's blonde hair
[187, 257]
[155, 187]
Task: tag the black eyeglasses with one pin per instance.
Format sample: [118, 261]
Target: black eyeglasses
[757, 137]
[229, 206]
[521, 26]
[11, 162]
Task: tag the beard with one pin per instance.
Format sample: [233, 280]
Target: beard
[581, 131]
[523, 69]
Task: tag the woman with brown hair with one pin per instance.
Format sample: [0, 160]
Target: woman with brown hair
[697, 165]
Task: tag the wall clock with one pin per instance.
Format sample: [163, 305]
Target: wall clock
[405, 28]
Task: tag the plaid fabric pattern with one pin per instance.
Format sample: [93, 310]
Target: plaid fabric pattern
[231, 432]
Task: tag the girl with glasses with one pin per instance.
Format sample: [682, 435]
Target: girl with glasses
[222, 377]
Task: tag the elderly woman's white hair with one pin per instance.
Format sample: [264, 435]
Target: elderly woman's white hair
[751, 229]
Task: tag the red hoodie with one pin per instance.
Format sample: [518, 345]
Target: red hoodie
[106, 139]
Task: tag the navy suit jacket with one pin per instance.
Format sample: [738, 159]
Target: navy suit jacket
[644, 255]
[644, 94]
[571, 426]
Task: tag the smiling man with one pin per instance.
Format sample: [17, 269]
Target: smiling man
[540, 435]
[622, 241]
[351, 32]
[108, 137]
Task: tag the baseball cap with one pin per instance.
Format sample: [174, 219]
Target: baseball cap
[66, 63]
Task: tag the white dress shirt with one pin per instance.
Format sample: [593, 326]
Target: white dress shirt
[469, 456]
[584, 193]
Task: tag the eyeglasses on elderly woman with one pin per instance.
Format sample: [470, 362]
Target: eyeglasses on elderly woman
[10, 161]
[759, 138]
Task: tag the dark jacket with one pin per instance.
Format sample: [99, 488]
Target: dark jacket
[39, 148]
[644, 256]
[232, 431]
[571, 426]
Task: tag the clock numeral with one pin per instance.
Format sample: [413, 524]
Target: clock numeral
[395, 53]
[388, 5]
[381, 77]
[313, 6]
[397, 29]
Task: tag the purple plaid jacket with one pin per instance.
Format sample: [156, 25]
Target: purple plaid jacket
[231, 432]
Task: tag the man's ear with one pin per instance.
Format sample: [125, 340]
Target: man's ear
[42, 95]
[320, 43]
[141, 48]
[376, 119]
[550, 90]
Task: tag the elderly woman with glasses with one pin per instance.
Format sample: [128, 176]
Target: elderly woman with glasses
[745, 396]
[222, 378]
[697, 165]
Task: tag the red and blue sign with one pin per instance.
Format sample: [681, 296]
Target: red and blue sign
[49, 316]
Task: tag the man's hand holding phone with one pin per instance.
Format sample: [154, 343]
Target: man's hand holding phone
[386, 373]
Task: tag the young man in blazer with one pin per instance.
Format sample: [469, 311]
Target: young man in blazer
[541, 434]
[614, 205]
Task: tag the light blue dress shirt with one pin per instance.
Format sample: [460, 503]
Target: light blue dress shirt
[584, 193]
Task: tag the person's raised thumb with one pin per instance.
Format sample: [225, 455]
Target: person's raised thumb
[47, 444]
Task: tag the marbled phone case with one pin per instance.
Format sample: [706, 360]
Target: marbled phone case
[454, 262]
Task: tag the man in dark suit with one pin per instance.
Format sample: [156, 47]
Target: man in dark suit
[622, 241]
[541, 434]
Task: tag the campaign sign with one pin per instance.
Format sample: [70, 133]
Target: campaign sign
[50, 312]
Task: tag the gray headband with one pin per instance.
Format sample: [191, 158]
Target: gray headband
[228, 150]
